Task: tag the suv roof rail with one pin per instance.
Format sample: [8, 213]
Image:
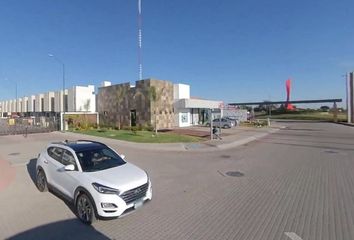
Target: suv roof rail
[65, 142]
[84, 140]
[58, 142]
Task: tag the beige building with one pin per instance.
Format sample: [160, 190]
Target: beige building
[148, 101]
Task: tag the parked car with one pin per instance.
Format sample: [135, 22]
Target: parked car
[98, 181]
[222, 122]
[235, 120]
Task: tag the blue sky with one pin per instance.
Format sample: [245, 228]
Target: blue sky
[227, 50]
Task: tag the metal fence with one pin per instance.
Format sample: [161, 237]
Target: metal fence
[27, 125]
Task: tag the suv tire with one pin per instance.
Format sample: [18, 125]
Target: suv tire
[41, 181]
[85, 209]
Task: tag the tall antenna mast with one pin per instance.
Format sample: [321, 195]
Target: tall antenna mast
[140, 62]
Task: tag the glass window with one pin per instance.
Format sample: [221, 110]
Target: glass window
[98, 159]
[55, 153]
[68, 158]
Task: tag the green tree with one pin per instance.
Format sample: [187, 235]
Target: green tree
[87, 105]
[324, 108]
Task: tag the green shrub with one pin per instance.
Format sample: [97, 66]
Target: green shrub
[126, 128]
[134, 130]
[147, 127]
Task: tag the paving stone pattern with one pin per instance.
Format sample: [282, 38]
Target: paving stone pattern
[298, 180]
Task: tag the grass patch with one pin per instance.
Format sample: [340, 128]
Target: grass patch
[140, 136]
[320, 116]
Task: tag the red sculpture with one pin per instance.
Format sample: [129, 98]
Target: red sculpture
[288, 105]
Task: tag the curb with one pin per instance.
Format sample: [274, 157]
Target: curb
[142, 146]
[345, 124]
[180, 147]
[245, 141]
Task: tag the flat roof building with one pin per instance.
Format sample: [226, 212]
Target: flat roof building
[75, 99]
[150, 102]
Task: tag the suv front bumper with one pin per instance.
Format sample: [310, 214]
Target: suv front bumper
[112, 205]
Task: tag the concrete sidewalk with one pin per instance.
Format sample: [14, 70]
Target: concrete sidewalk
[230, 138]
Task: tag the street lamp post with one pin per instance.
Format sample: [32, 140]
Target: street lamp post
[63, 66]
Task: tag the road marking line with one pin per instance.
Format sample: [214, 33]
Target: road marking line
[293, 236]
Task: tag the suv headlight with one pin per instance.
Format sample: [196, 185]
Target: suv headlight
[103, 189]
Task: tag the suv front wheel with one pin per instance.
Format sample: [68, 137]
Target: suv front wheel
[85, 209]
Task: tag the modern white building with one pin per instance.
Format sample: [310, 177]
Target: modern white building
[60, 101]
[13, 105]
[75, 99]
[82, 99]
[39, 105]
[191, 111]
[48, 102]
[31, 103]
[24, 105]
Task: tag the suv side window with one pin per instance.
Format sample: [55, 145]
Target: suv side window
[55, 153]
[68, 158]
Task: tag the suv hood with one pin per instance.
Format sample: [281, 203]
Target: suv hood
[123, 178]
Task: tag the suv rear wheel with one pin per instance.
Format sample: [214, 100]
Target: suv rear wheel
[41, 181]
[85, 209]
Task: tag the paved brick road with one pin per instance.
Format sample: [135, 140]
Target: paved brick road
[298, 180]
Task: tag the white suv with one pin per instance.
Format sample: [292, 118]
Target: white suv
[94, 177]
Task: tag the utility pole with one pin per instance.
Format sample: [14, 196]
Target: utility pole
[211, 123]
[63, 94]
[16, 97]
[140, 55]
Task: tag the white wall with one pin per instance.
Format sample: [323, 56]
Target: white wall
[19, 105]
[183, 118]
[3, 106]
[13, 106]
[39, 102]
[82, 99]
[106, 84]
[71, 99]
[24, 104]
[58, 100]
[181, 91]
[235, 113]
[30, 103]
[48, 102]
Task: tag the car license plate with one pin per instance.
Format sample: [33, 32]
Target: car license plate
[138, 204]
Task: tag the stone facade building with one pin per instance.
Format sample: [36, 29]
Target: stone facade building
[150, 100]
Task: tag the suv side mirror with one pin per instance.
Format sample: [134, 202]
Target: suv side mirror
[69, 167]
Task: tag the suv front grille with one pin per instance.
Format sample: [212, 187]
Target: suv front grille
[135, 193]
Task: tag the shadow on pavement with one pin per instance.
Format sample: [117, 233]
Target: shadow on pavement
[31, 169]
[311, 146]
[300, 121]
[66, 229]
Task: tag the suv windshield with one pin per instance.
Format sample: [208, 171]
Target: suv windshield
[93, 160]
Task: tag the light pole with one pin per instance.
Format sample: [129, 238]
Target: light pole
[63, 66]
[16, 97]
